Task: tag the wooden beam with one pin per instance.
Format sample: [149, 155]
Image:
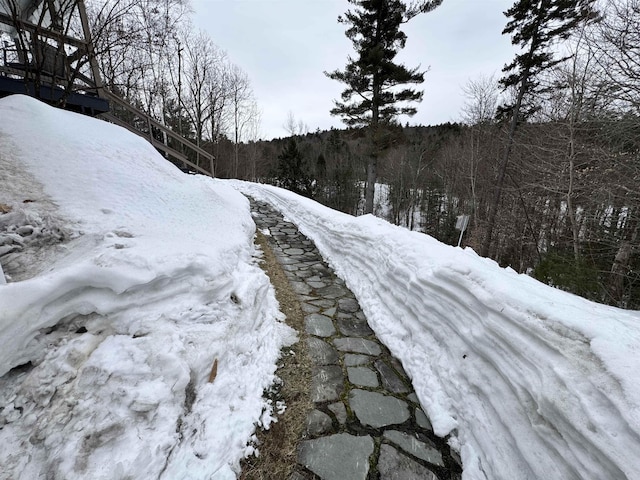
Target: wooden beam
[33, 28]
[93, 62]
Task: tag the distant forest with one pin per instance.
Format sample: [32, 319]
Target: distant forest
[430, 175]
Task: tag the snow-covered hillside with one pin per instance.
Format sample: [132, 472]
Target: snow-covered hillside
[529, 381]
[128, 280]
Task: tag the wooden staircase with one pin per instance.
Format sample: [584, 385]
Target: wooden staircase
[42, 60]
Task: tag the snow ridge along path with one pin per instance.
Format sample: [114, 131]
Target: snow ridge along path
[129, 279]
[367, 422]
[528, 381]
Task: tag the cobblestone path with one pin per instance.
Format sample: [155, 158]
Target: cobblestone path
[367, 422]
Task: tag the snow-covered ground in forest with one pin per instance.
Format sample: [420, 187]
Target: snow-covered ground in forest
[127, 281]
[529, 382]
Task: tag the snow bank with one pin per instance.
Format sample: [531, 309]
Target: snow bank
[529, 381]
[128, 279]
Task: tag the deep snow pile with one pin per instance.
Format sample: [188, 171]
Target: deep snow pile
[127, 280]
[531, 382]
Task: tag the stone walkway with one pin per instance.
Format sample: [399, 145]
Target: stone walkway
[367, 422]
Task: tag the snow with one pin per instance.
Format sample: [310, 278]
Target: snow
[127, 279]
[528, 382]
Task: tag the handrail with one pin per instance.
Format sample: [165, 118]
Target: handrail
[151, 125]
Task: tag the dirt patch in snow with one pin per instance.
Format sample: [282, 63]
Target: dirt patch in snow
[278, 445]
[32, 230]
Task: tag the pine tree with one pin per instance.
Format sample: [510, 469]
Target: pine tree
[321, 167]
[535, 26]
[374, 96]
[293, 171]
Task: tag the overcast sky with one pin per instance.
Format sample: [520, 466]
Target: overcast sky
[285, 46]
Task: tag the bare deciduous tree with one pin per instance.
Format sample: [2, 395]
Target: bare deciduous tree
[295, 127]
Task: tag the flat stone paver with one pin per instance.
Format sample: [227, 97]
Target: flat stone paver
[337, 457]
[319, 325]
[357, 345]
[378, 410]
[392, 465]
[422, 420]
[318, 423]
[354, 359]
[366, 423]
[309, 308]
[362, 377]
[332, 291]
[326, 383]
[414, 446]
[349, 305]
[354, 327]
[390, 379]
[340, 412]
[321, 352]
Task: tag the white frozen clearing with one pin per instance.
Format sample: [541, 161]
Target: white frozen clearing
[128, 279]
[531, 382]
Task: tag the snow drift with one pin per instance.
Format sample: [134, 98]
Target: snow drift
[127, 280]
[528, 381]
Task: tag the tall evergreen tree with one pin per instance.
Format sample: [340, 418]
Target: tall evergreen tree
[374, 95]
[534, 25]
[293, 171]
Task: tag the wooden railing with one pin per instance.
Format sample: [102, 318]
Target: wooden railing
[172, 145]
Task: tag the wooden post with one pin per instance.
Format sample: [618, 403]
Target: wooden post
[93, 62]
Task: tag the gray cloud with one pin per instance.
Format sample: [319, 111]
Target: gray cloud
[285, 45]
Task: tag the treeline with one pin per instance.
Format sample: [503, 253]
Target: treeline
[574, 227]
[569, 209]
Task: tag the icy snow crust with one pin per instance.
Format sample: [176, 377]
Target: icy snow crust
[529, 381]
[128, 279]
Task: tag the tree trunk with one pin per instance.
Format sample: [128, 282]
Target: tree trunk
[372, 166]
[619, 271]
[505, 161]
[372, 175]
[620, 268]
[574, 115]
[570, 207]
[522, 90]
